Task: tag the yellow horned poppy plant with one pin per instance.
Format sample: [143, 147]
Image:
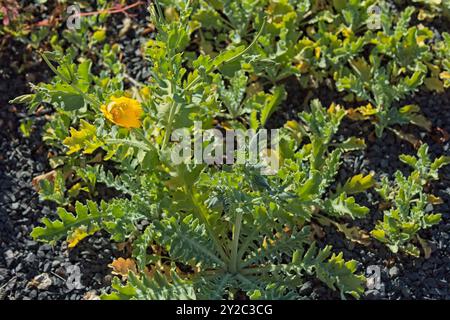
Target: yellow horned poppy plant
[124, 112]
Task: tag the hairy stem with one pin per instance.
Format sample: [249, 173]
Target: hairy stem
[265, 269]
[169, 125]
[235, 243]
[246, 244]
[202, 214]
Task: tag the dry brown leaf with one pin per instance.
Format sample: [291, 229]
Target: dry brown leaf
[372, 137]
[266, 243]
[158, 250]
[354, 234]
[97, 158]
[40, 110]
[425, 246]
[150, 28]
[408, 137]
[125, 247]
[50, 176]
[317, 231]
[434, 199]
[121, 246]
[122, 266]
[287, 230]
[390, 262]
[161, 268]
[440, 135]
[421, 121]
[383, 206]
[434, 84]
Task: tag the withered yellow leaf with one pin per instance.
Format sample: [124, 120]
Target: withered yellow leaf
[354, 234]
[434, 200]
[317, 52]
[434, 84]
[84, 138]
[379, 235]
[76, 236]
[362, 113]
[409, 137]
[445, 75]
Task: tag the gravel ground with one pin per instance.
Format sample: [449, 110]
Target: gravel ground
[57, 273]
[30, 270]
[402, 277]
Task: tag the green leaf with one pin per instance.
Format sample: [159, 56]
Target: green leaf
[23, 99]
[67, 98]
[54, 190]
[232, 97]
[440, 162]
[310, 188]
[432, 219]
[158, 287]
[187, 241]
[334, 271]
[132, 143]
[358, 184]
[87, 215]
[272, 103]
[408, 201]
[380, 235]
[345, 206]
[415, 80]
[410, 160]
[99, 35]
[352, 144]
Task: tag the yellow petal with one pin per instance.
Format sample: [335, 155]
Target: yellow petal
[124, 112]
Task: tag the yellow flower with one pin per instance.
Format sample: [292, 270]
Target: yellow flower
[124, 112]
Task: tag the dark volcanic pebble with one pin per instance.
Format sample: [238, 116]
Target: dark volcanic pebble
[21, 159]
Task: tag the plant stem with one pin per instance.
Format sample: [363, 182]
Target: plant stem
[235, 244]
[59, 74]
[245, 245]
[202, 215]
[169, 125]
[264, 269]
